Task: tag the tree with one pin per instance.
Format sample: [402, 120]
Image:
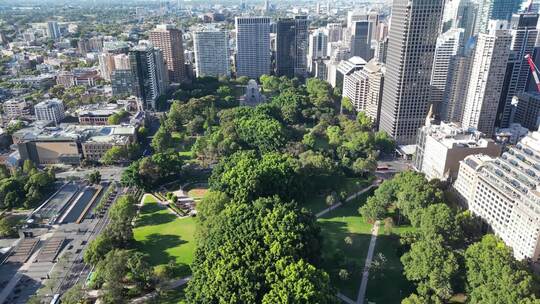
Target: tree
[299, 282]
[439, 219]
[97, 249]
[365, 122]
[162, 140]
[433, 266]
[373, 209]
[364, 166]
[114, 155]
[94, 177]
[28, 166]
[245, 177]
[254, 248]
[8, 226]
[74, 295]
[493, 274]
[269, 83]
[331, 199]
[346, 104]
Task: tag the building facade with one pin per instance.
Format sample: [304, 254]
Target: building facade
[412, 40]
[504, 192]
[149, 73]
[169, 40]
[488, 70]
[252, 46]
[292, 46]
[524, 34]
[318, 49]
[211, 48]
[494, 10]
[50, 110]
[448, 46]
[363, 87]
[440, 148]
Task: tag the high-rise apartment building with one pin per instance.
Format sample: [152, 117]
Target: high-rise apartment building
[363, 88]
[53, 30]
[495, 10]
[292, 46]
[169, 40]
[487, 76]
[412, 40]
[524, 34]
[50, 110]
[149, 73]
[252, 46]
[211, 50]
[504, 192]
[448, 46]
[107, 62]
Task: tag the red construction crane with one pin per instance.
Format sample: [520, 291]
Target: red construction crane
[534, 70]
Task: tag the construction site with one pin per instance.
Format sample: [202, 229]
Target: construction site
[49, 250]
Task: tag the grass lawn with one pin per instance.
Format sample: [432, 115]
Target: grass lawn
[388, 284]
[164, 236]
[317, 203]
[335, 227]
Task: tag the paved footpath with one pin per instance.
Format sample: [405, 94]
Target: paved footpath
[369, 259]
[350, 198]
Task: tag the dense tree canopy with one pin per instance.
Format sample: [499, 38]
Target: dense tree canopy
[254, 251]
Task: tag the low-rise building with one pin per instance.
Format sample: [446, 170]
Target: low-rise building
[441, 148]
[17, 108]
[50, 110]
[504, 191]
[70, 143]
[98, 114]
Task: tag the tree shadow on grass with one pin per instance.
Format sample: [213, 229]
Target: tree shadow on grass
[156, 245]
[338, 254]
[152, 218]
[390, 274]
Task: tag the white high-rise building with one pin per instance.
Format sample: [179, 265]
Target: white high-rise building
[448, 46]
[50, 110]
[412, 39]
[487, 76]
[456, 95]
[211, 50]
[318, 48]
[252, 46]
[364, 88]
[504, 192]
[524, 34]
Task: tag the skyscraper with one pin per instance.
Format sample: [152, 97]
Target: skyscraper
[292, 46]
[252, 46]
[169, 40]
[149, 73]
[361, 35]
[487, 76]
[53, 30]
[524, 33]
[495, 10]
[318, 48]
[456, 94]
[335, 32]
[412, 40]
[211, 50]
[448, 46]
